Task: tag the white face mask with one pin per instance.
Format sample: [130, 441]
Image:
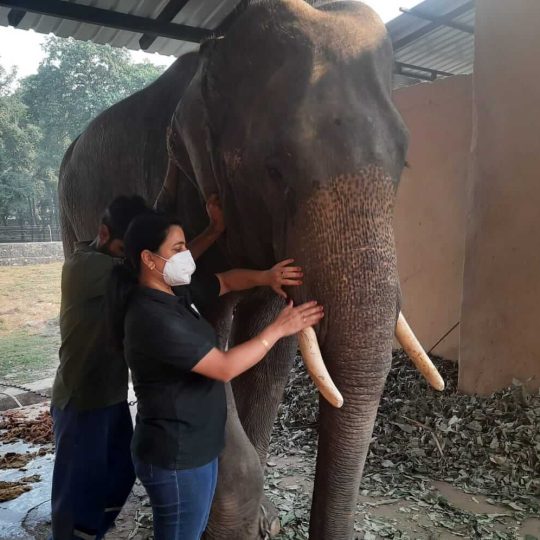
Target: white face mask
[178, 269]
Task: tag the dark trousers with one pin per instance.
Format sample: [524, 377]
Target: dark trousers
[181, 499]
[93, 472]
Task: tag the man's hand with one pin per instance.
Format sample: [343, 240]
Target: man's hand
[215, 215]
[214, 230]
[283, 275]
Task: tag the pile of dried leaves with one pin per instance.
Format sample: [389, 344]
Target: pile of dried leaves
[486, 445]
[14, 460]
[483, 445]
[12, 490]
[16, 426]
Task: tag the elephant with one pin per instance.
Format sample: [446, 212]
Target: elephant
[289, 118]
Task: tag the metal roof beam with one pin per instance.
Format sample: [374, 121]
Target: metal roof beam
[426, 29]
[437, 19]
[111, 19]
[169, 12]
[430, 73]
[15, 16]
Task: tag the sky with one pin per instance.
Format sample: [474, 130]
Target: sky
[22, 48]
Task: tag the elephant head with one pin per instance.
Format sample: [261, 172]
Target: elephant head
[290, 119]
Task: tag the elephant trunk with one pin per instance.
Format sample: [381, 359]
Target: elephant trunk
[342, 235]
[344, 437]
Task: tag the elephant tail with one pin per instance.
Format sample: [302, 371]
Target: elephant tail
[67, 233]
[64, 188]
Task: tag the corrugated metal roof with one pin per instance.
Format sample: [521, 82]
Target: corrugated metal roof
[198, 13]
[443, 48]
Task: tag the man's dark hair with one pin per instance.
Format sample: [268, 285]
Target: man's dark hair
[147, 231]
[121, 212]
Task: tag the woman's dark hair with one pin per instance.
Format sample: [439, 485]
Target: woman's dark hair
[146, 231]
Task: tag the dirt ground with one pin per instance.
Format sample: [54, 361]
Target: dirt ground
[288, 484]
[134, 522]
[384, 517]
[29, 334]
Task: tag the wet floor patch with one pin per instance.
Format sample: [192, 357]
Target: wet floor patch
[34, 480]
[26, 479]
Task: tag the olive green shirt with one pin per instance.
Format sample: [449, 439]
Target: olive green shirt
[91, 374]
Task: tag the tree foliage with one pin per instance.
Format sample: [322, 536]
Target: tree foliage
[38, 119]
[19, 140]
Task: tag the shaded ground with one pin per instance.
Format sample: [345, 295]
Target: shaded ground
[441, 466]
[29, 335]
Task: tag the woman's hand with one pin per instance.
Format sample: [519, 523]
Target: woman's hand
[293, 319]
[215, 214]
[224, 366]
[278, 276]
[283, 275]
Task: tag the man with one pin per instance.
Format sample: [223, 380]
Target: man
[93, 474]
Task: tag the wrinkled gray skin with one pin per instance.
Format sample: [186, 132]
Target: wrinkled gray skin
[289, 118]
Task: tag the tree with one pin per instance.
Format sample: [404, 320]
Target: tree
[18, 149]
[6, 80]
[75, 82]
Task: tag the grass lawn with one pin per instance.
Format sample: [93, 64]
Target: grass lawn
[29, 335]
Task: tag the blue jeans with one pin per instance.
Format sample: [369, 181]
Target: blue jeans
[93, 472]
[181, 499]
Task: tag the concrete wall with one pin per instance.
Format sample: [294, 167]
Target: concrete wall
[431, 208]
[500, 331]
[30, 253]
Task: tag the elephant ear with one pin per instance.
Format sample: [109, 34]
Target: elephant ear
[212, 98]
[190, 126]
[217, 111]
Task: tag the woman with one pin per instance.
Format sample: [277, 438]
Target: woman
[178, 372]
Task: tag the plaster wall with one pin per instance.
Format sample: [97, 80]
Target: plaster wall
[431, 207]
[500, 335]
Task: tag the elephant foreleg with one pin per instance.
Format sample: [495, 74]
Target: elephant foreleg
[259, 391]
[236, 504]
[237, 507]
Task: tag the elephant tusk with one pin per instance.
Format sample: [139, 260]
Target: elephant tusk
[311, 353]
[416, 353]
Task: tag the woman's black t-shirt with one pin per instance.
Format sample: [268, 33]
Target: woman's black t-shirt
[181, 414]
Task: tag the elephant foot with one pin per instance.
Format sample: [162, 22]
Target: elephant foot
[268, 522]
[269, 525]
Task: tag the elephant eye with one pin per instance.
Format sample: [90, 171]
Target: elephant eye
[274, 173]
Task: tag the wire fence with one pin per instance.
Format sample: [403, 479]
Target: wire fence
[29, 233]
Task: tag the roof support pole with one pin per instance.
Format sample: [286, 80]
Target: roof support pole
[405, 69]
